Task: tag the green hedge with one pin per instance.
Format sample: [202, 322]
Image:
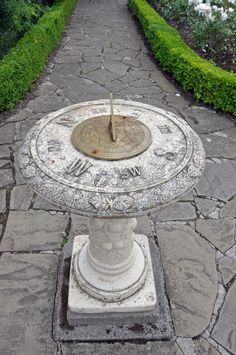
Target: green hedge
[208, 82]
[24, 63]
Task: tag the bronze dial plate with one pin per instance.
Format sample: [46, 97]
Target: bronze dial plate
[93, 137]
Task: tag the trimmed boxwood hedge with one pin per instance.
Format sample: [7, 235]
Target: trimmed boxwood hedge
[208, 82]
[24, 63]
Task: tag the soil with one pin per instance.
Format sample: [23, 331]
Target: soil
[223, 60]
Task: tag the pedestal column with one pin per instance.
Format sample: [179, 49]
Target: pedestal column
[111, 266]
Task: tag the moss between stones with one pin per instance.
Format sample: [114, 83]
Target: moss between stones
[24, 63]
[208, 82]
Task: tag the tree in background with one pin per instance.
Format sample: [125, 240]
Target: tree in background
[16, 17]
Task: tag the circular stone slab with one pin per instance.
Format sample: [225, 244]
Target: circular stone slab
[168, 169]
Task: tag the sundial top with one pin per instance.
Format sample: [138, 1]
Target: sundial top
[111, 137]
[167, 160]
[93, 137]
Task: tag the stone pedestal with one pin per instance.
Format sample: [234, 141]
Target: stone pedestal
[111, 266]
[144, 315]
[111, 270]
[85, 298]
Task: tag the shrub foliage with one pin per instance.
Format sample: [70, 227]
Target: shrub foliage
[17, 17]
[24, 63]
[210, 25]
[209, 83]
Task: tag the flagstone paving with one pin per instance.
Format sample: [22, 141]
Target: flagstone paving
[103, 51]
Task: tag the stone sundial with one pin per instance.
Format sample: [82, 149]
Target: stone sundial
[111, 162]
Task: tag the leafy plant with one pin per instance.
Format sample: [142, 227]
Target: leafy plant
[17, 17]
[175, 10]
[213, 36]
[24, 63]
[208, 83]
[210, 23]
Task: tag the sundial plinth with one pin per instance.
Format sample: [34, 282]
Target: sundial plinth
[125, 292]
[111, 271]
[111, 266]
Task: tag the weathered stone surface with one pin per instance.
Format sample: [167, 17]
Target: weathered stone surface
[7, 133]
[141, 83]
[4, 151]
[143, 226]
[18, 177]
[102, 181]
[227, 268]
[229, 210]
[133, 92]
[224, 331]
[230, 132]
[116, 67]
[180, 211]
[202, 347]
[144, 300]
[189, 197]
[147, 62]
[116, 86]
[231, 252]
[101, 76]
[4, 164]
[88, 67]
[31, 230]
[83, 90]
[67, 70]
[67, 58]
[151, 348]
[219, 145]
[218, 180]
[91, 51]
[27, 287]
[41, 204]
[20, 115]
[21, 197]
[21, 128]
[162, 82]
[204, 120]
[126, 53]
[205, 206]
[176, 100]
[186, 345]
[78, 225]
[46, 88]
[6, 177]
[48, 103]
[191, 277]
[150, 101]
[134, 75]
[219, 232]
[2, 201]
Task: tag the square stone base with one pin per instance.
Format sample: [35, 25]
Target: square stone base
[152, 324]
[79, 302]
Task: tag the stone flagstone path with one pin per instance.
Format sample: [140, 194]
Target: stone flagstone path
[102, 51]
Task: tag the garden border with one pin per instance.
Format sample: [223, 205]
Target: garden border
[25, 62]
[208, 82]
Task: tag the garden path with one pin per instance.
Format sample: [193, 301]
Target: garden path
[104, 51]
